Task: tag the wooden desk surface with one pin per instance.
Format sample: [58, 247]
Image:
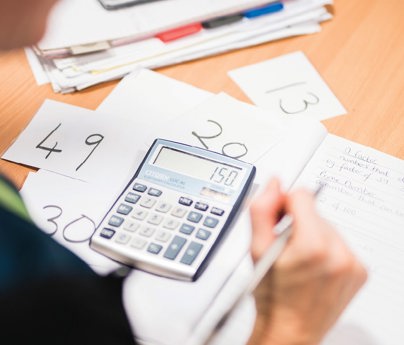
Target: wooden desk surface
[360, 54]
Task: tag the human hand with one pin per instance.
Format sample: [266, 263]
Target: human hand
[312, 281]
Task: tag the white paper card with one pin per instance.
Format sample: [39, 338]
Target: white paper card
[290, 86]
[75, 142]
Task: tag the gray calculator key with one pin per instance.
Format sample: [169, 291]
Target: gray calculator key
[115, 221]
[217, 211]
[163, 207]
[147, 202]
[155, 219]
[185, 201]
[139, 214]
[175, 247]
[171, 224]
[194, 217]
[124, 209]
[138, 243]
[201, 206]
[139, 187]
[163, 236]
[191, 253]
[203, 234]
[179, 212]
[130, 225]
[154, 192]
[107, 233]
[122, 238]
[147, 231]
[132, 198]
[187, 229]
[210, 222]
[154, 248]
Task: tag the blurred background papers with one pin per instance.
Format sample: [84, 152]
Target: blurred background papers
[86, 45]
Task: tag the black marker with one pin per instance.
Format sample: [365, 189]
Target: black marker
[221, 21]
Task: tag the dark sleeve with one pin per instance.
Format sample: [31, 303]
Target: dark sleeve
[50, 296]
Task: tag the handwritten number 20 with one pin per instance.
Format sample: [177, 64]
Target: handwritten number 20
[231, 149]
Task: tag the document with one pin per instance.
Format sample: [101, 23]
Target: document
[289, 86]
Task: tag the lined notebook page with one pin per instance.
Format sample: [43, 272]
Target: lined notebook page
[364, 199]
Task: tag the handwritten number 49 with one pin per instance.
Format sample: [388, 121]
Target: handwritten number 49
[91, 140]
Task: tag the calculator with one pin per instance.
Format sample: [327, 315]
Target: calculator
[174, 212]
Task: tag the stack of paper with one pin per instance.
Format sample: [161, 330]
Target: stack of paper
[86, 44]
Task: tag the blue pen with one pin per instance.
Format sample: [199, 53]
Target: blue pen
[267, 9]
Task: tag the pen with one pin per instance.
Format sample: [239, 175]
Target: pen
[260, 11]
[282, 230]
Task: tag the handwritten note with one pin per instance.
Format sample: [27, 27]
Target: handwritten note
[227, 126]
[288, 86]
[364, 199]
[76, 142]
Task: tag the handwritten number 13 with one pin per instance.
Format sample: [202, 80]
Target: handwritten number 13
[91, 140]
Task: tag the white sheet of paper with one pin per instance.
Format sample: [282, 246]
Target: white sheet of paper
[290, 86]
[69, 210]
[76, 142]
[37, 69]
[363, 198]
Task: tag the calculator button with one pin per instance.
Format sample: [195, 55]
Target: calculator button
[185, 201]
[155, 219]
[210, 222]
[163, 207]
[147, 202]
[203, 234]
[122, 238]
[163, 236]
[107, 233]
[147, 231]
[171, 224]
[201, 206]
[187, 229]
[191, 253]
[194, 217]
[179, 212]
[138, 243]
[124, 209]
[174, 248]
[139, 214]
[130, 225]
[139, 187]
[154, 248]
[132, 198]
[154, 192]
[217, 211]
[115, 221]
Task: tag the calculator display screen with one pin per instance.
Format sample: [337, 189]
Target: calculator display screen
[199, 167]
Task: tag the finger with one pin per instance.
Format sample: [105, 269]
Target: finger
[264, 212]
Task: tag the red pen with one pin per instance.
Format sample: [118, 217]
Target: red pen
[182, 31]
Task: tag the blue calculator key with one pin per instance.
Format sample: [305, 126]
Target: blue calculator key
[115, 221]
[107, 233]
[201, 206]
[217, 211]
[154, 192]
[187, 229]
[194, 217]
[154, 248]
[191, 253]
[132, 198]
[203, 234]
[174, 248]
[139, 187]
[124, 209]
[210, 222]
[185, 201]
